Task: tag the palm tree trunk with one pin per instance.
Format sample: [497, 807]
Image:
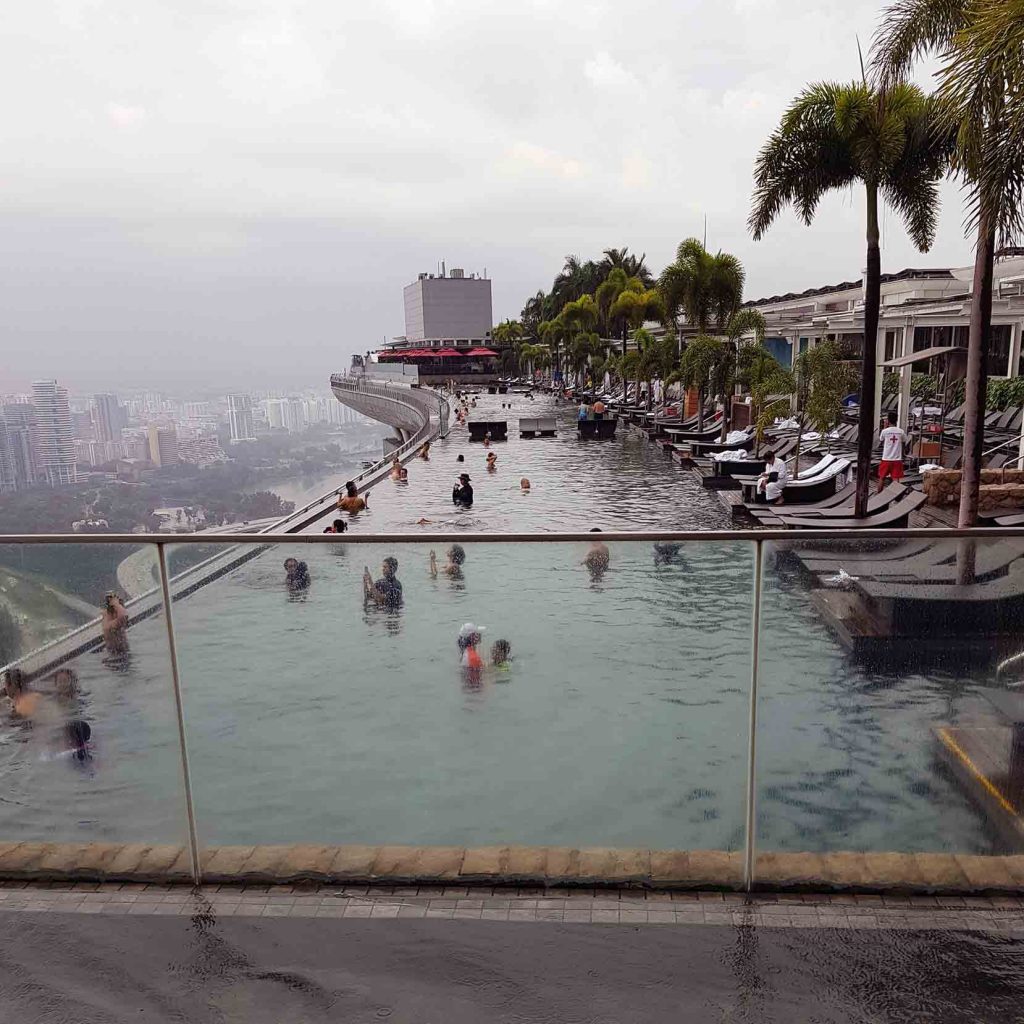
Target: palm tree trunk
[700, 409]
[872, 299]
[975, 391]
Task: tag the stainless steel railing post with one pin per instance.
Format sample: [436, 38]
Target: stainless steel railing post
[750, 851]
[193, 839]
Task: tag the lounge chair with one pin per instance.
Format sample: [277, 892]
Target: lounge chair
[892, 516]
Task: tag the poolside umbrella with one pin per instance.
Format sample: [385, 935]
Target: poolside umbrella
[481, 352]
[447, 353]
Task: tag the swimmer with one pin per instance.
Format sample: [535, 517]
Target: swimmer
[524, 484]
[114, 623]
[65, 684]
[487, 439]
[387, 591]
[468, 640]
[77, 734]
[23, 701]
[492, 462]
[665, 554]
[597, 557]
[396, 469]
[501, 654]
[424, 452]
[352, 502]
[456, 559]
[296, 574]
[460, 458]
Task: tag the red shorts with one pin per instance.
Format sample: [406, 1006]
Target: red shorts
[891, 469]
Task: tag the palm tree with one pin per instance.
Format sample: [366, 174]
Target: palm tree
[741, 323]
[552, 333]
[631, 266]
[706, 288]
[702, 366]
[830, 137]
[636, 307]
[981, 43]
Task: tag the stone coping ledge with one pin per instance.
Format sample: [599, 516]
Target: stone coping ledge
[515, 865]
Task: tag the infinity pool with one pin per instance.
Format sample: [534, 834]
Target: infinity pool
[622, 720]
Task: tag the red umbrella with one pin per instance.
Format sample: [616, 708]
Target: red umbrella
[448, 353]
[481, 352]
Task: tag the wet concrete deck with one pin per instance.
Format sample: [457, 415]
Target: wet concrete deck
[448, 954]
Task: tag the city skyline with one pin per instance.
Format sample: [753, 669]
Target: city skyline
[260, 216]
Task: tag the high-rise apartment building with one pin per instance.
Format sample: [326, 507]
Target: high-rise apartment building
[8, 481]
[19, 419]
[54, 439]
[163, 445]
[107, 417]
[240, 419]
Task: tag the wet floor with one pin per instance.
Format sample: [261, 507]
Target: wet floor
[68, 967]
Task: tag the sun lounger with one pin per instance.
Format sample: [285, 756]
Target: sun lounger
[893, 516]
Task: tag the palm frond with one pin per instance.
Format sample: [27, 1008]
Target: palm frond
[910, 30]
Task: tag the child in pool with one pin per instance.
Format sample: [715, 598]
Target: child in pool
[501, 655]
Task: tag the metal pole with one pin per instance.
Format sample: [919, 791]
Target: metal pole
[193, 840]
[751, 824]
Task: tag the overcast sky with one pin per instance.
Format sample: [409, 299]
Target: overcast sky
[234, 192]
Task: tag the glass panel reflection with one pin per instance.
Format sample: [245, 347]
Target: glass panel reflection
[89, 748]
[888, 696]
[478, 693]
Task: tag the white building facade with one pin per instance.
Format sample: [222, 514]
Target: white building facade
[450, 310]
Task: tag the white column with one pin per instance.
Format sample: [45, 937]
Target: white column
[906, 372]
[879, 356]
[1015, 342]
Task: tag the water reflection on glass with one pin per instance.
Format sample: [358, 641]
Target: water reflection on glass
[490, 694]
[88, 737]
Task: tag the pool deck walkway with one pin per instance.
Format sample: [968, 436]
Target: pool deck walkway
[522, 903]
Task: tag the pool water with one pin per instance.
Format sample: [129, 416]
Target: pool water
[621, 721]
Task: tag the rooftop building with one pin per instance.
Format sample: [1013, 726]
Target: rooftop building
[163, 445]
[453, 310]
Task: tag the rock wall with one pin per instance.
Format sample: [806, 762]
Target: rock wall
[1000, 488]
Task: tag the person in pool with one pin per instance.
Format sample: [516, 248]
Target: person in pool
[114, 623]
[501, 654]
[24, 703]
[387, 591]
[424, 452]
[462, 493]
[492, 462]
[468, 641]
[597, 557]
[352, 502]
[525, 484]
[396, 469]
[456, 559]
[296, 574]
[65, 684]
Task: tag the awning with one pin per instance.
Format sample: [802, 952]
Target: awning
[924, 355]
[448, 353]
[481, 352]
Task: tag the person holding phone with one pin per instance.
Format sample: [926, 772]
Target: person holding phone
[114, 623]
[462, 493]
[387, 591]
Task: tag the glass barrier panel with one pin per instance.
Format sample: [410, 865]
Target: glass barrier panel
[90, 749]
[338, 699]
[890, 701]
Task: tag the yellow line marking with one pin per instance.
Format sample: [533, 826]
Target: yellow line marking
[976, 771]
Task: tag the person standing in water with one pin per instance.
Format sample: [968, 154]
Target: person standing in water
[462, 493]
[114, 624]
[472, 664]
[387, 591]
[492, 462]
[456, 559]
[352, 502]
[598, 558]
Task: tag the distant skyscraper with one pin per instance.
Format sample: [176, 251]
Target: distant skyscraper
[8, 481]
[240, 419]
[19, 419]
[163, 445]
[106, 417]
[54, 437]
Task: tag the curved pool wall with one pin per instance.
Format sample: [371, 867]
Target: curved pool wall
[422, 415]
[636, 736]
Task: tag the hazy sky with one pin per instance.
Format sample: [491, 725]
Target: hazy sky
[236, 191]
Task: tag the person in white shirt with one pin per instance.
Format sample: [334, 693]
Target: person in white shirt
[772, 489]
[893, 440]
